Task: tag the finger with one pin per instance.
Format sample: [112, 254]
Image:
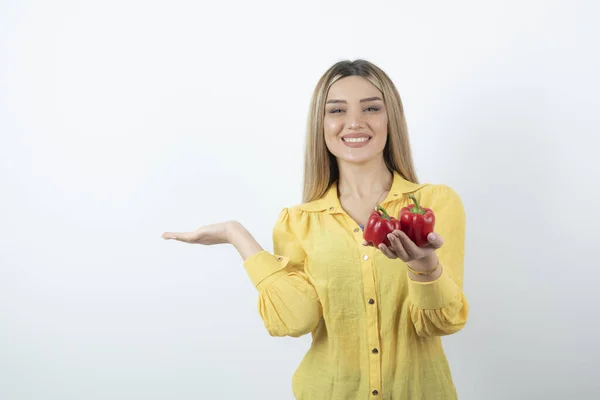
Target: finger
[365, 243]
[387, 251]
[168, 236]
[181, 236]
[397, 246]
[412, 250]
[435, 240]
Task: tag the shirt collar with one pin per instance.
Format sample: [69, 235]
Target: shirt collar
[331, 203]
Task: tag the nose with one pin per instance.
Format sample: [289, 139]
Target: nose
[355, 124]
[354, 119]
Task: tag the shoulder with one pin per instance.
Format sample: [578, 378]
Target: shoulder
[299, 212]
[440, 197]
[292, 215]
[314, 206]
[438, 190]
[298, 217]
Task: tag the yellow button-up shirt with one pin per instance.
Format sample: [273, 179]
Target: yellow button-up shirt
[375, 332]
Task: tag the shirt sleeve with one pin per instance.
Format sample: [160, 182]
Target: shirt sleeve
[440, 307]
[287, 302]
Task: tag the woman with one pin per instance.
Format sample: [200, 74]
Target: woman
[376, 315]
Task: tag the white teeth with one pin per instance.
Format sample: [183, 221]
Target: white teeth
[356, 140]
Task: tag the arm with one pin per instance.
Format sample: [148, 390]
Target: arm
[243, 241]
[288, 303]
[438, 305]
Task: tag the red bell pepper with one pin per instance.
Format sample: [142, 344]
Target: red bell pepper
[417, 222]
[379, 225]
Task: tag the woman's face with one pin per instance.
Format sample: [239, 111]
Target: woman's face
[355, 122]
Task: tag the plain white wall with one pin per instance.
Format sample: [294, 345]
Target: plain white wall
[123, 119]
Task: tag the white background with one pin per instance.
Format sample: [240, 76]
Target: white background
[123, 119]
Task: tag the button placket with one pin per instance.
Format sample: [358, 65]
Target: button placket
[369, 287]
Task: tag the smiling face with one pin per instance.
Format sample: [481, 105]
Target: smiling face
[355, 123]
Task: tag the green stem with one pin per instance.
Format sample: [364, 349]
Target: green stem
[385, 213]
[416, 208]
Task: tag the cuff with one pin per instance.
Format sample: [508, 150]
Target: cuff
[433, 295]
[263, 266]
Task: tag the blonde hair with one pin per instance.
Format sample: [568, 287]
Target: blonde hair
[320, 166]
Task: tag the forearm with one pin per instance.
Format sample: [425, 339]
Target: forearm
[437, 304]
[243, 241]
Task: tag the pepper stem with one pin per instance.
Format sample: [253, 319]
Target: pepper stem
[385, 213]
[416, 208]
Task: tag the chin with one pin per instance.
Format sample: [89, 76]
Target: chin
[356, 158]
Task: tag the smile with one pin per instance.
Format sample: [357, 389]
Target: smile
[356, 142]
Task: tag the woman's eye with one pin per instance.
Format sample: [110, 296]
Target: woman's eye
[338, 110]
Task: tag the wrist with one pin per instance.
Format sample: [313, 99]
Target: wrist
[428, 265]
[242, 240]
[233, 230]
[425, 264]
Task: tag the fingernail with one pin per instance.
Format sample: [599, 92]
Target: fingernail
[390, 236]
[431, 236]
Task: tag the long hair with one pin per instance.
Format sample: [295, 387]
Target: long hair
[320, 166]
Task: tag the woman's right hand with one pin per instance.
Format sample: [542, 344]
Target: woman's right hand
[219, 233]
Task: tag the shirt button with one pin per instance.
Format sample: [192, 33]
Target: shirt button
[330, 208]
[375, 392]
[375, 351]
[371, 301]
[356, 229]
[279, 258]
[365, 257]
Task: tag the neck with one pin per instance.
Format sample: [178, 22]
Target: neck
[363, 180]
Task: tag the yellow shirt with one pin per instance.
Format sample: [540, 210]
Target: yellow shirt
[375, 332]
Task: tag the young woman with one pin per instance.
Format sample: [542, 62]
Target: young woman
[376, 315]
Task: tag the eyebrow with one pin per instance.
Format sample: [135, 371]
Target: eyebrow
[332, 101]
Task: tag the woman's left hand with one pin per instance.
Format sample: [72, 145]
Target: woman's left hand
[406, 250]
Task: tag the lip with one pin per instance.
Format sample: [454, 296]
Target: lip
[356, 144]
